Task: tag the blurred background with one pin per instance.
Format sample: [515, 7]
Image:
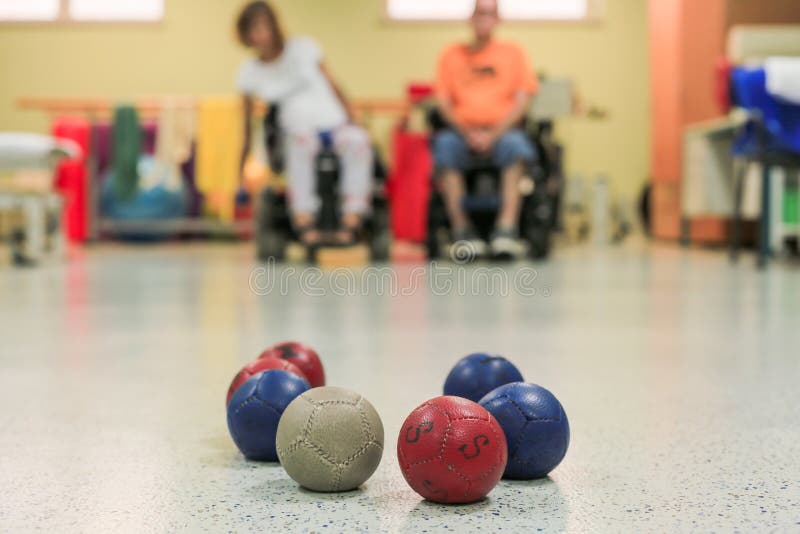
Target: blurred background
[146, 235]
[642, 77]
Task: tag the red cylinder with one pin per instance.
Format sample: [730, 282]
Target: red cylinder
[409, 186]
[72, 177]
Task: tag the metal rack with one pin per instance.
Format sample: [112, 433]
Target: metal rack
[101, 109]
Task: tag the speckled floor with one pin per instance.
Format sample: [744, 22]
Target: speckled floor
[678, 372]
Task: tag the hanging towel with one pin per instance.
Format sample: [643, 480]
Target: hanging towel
[783, 78]
[219, 150]
[176, 132]
[125, 151]
[102, 140]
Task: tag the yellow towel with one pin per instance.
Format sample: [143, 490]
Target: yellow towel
[219, 151]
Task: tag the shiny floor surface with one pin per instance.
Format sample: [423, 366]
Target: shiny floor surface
[679, 374]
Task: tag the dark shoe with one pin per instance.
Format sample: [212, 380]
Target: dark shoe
[309, 236]
[346, 237]
[506, 245]
[467, 247]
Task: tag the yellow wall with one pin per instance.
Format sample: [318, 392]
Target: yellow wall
[193, 51]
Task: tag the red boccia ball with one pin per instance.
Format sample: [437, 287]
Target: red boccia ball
[303, 357]
[452, 451]
[258, 366]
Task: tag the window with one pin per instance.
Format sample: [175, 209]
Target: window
[133, 10]
[15, 10]
[553, 10]
[81, 10]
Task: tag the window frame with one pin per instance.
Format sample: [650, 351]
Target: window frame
[64, 18]
[597, 11]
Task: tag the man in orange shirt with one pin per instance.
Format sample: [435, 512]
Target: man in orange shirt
[484, 90]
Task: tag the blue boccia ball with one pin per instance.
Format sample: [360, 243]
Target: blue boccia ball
[477, 374]
[535, 425]
[256, 408]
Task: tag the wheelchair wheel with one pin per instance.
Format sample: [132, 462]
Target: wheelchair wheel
[271, 246]
[380, 245]
[539, 243]
[271, 237]
[536, 224]
[437, 222]
[380, 238]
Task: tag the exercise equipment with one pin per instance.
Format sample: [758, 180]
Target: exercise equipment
[535, 425]
[303, 356]
[451, 451]
[72, 176]
[477, 374]
[153, 201]
[30, 208]
[409, 185]
[255, 410]
[330, 439]
[259, 366]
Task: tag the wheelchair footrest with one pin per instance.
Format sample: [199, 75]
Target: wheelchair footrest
[479, 204]
[331, 258]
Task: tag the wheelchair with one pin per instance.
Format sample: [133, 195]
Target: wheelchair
[541, 191]
[274, 230]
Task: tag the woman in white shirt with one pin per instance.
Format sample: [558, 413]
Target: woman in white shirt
[291, 73]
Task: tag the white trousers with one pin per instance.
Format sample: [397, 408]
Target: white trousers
[352, 144]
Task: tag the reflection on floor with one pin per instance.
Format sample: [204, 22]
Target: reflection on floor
[678, 372]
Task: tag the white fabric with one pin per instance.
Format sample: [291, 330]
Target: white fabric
[751, 193]
[754, 44]
[783, 78]
[352, 144]
[177, 129]
[707, 182]
[19, 150]
[296, 82]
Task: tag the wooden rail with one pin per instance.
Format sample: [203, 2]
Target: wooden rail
[152, 105]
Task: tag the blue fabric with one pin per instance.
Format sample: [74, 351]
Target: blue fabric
[450, 150]
[155, 203]
[535, 425]
[256, 408]
[326, 139]
[780, 118]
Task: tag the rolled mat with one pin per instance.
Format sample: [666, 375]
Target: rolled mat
[71, 177]
[409, 185]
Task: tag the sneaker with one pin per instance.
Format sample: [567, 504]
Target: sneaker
[467, 247]
[506, 245]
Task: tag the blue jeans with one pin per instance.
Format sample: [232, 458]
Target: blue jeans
[451, 151]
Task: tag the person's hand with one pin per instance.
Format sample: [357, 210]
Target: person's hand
[354, 118]
[471, 135]
[480, 140]
[492, 137]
